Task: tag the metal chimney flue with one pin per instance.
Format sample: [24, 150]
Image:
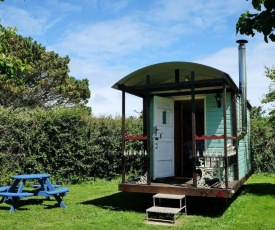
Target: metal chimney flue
[243, 85]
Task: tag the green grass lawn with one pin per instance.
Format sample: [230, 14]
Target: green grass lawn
[99, 205]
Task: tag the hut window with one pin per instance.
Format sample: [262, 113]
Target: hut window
[164, 114]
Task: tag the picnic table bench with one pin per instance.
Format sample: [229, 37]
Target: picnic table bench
[4, 188]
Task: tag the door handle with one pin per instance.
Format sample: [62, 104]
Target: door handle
[156, 130]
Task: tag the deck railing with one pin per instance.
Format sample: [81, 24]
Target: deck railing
[135, 162]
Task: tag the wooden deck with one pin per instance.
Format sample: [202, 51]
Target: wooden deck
[182, 186]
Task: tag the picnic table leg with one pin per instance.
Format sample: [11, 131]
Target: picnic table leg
[11, 189]
[14, 203]
[22, 185]
[14, 185]
[44, 187]
[49, 185]
[60, 201]
[3, 199]
[57, 197]
[42, 183]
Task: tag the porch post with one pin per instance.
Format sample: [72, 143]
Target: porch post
[123, 135]
[144, 132]
[193, 115]
[225, 136]
[148, 99]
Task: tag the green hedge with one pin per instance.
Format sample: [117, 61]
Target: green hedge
[69, 144]
[263, 145]
[75, 147]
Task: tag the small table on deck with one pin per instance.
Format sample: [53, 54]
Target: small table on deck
[45, 188]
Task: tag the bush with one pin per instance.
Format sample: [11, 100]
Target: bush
[68, 143]
[262, 142]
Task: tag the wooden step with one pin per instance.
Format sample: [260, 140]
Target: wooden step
[169, 196]
[164, 210]
[162, 213]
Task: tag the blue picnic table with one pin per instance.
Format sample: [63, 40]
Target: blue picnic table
[45, 188]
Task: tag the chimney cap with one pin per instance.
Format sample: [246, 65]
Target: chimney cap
[242, 41]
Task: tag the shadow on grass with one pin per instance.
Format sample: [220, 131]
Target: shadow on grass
[208, 206]
[21, 203]
[215, 207]
[259, 189]
[123, 201]
[139, 202]
[51, 205]
[201, 206]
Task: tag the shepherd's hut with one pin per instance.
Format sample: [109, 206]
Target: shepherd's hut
[196, 129]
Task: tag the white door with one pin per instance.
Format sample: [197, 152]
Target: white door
[163, 137]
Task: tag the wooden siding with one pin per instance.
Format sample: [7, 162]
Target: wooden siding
[244, 151]
[215, 124]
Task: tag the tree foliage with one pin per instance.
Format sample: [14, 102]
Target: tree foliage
[263, 21]
[45, 83]
[263, 131]
[67, 143]
[10, 64]
[262, 142]
[270, 96]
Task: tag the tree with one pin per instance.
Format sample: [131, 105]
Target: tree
[262, 128]
[262, 22]
[10, 65]
[262, 142]
[270, 96]
[263, 131]
[46, 83]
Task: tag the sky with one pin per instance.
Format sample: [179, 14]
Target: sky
[108, 39]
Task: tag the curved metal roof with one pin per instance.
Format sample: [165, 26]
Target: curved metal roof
[164, 74]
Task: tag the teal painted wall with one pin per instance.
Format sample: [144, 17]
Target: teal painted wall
[215, 122]
[215, 125]
[244, 150]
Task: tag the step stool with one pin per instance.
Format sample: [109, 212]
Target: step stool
[166, 210]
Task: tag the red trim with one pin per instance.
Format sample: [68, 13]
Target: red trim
[125, 188]
[219, 194]
[213, 137]
[137, 138]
